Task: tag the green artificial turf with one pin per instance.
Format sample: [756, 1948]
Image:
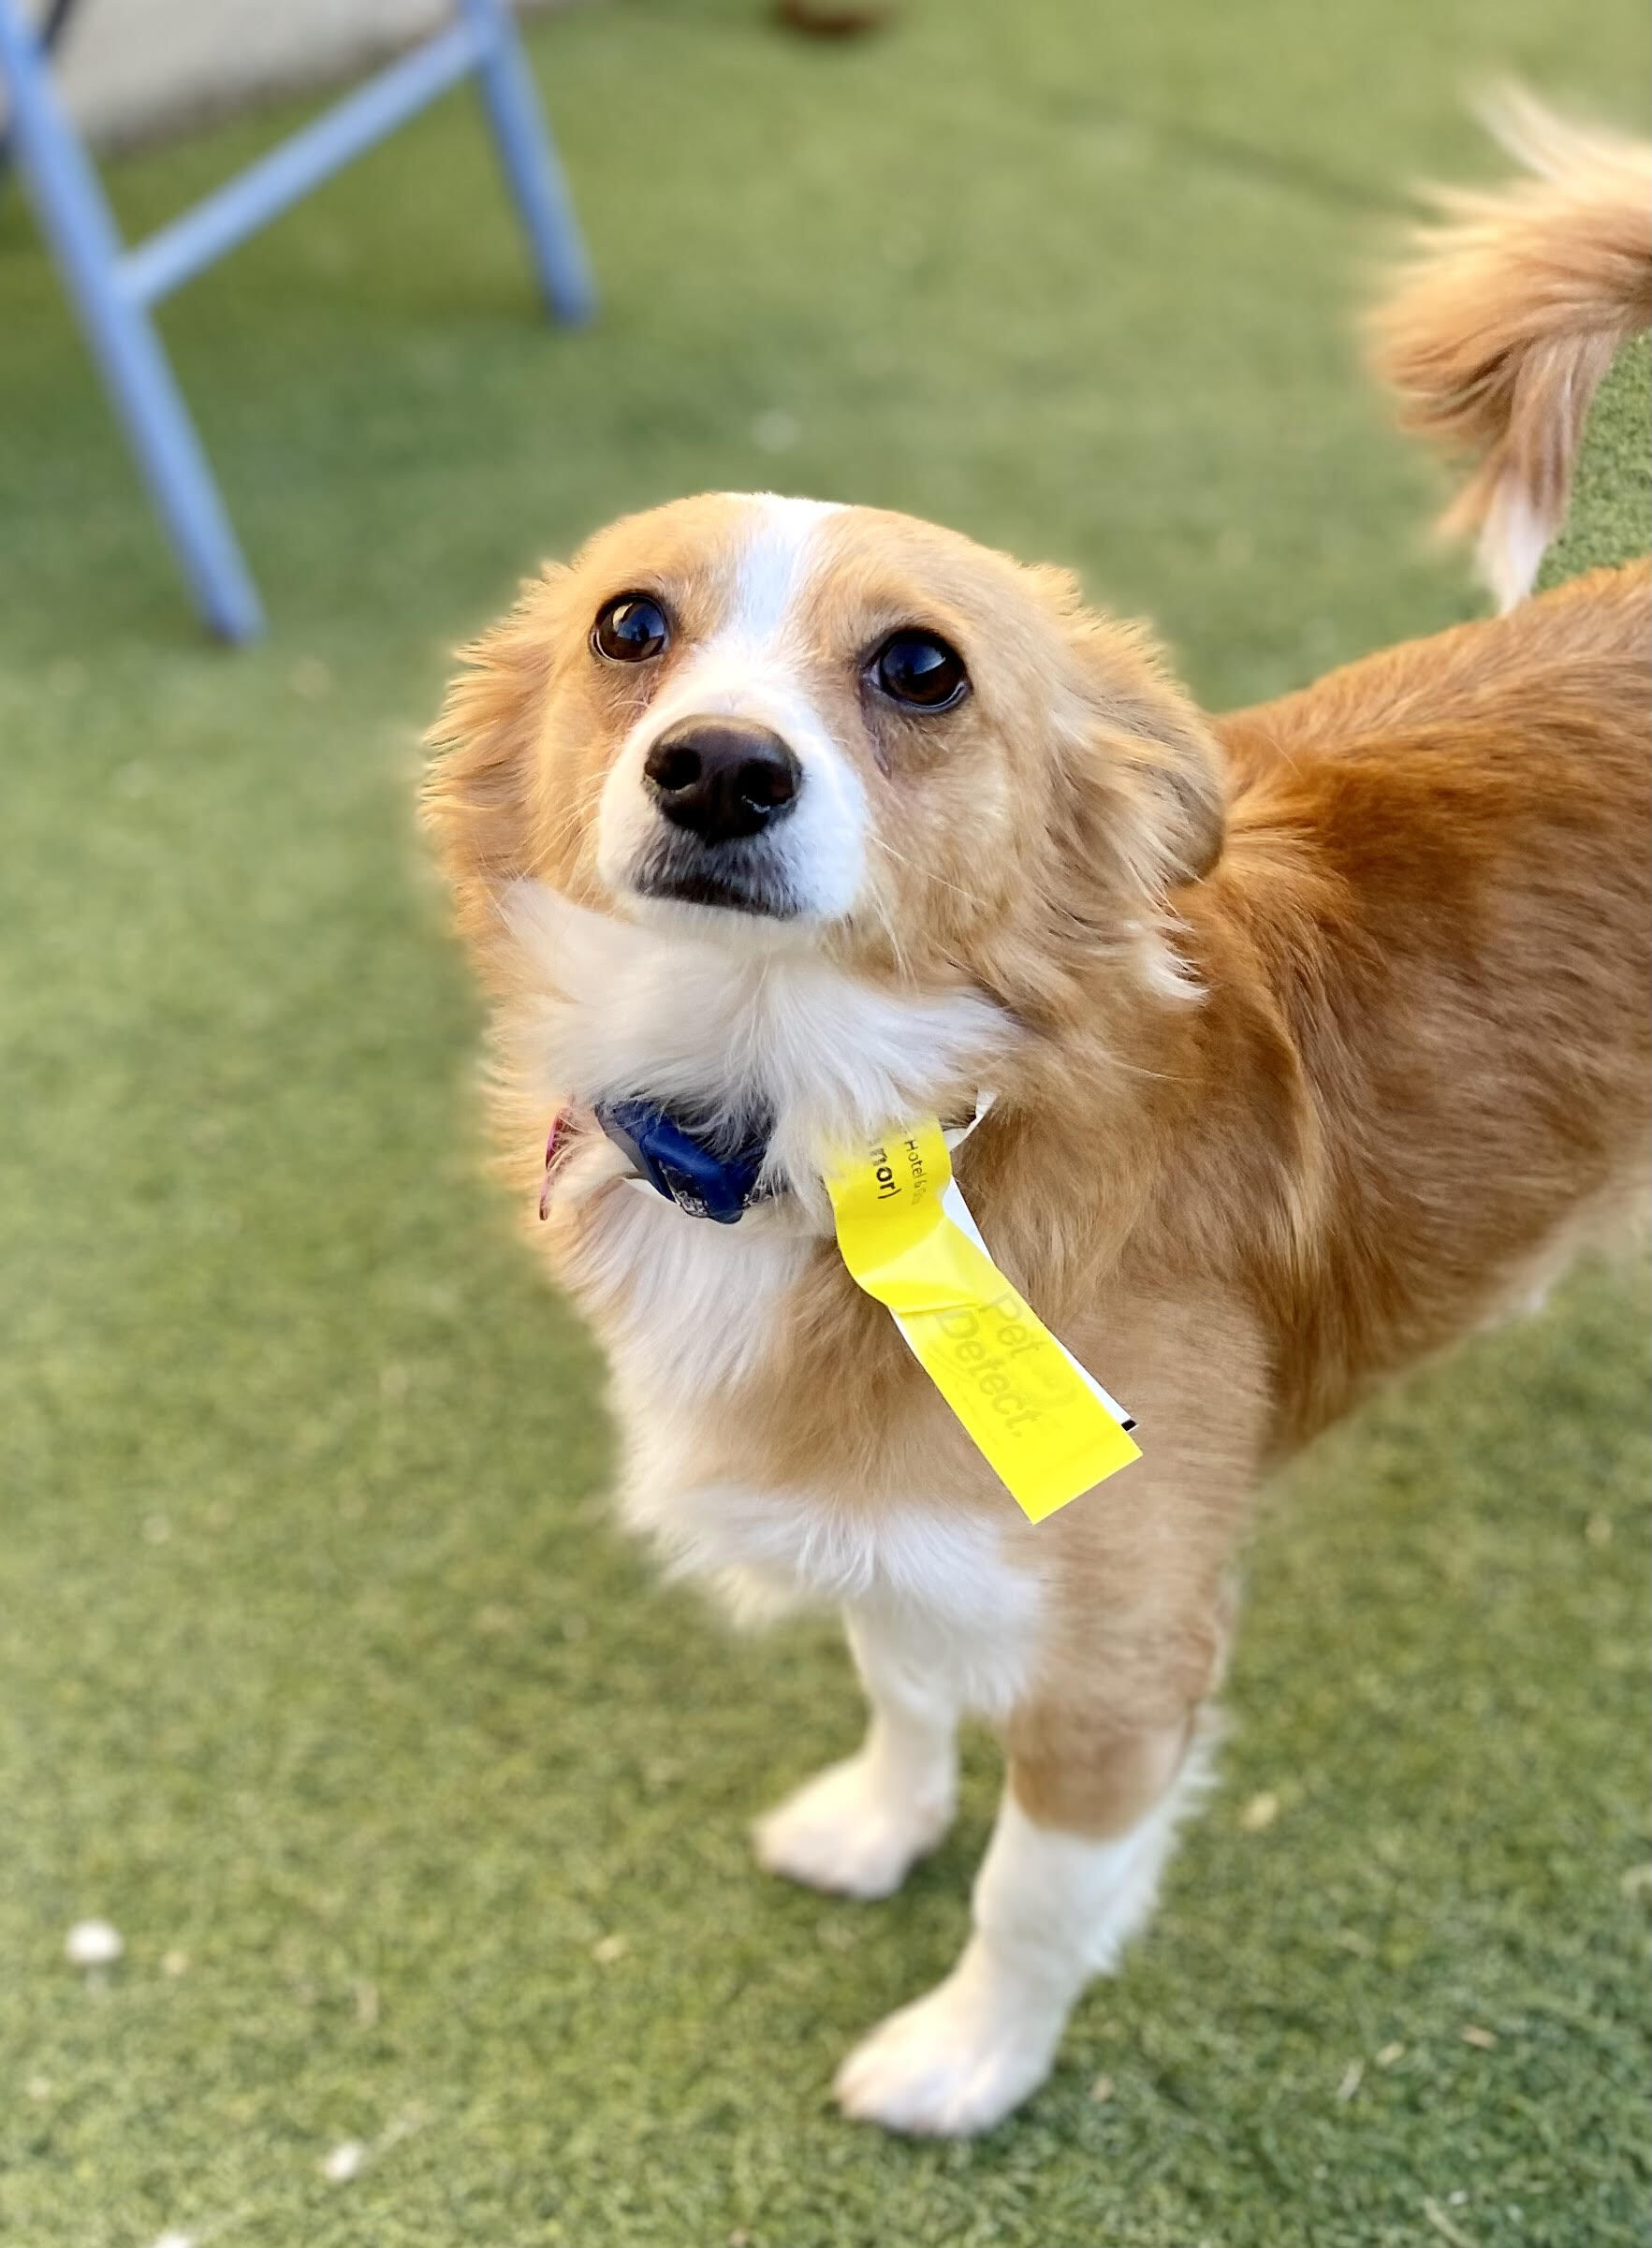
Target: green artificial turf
[1611, 514]
[321, 1673]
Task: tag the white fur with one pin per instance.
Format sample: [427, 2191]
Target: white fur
[703, 1314]
[1050, 1911]
[749, 668]
[1513, 543]
[857, 1828]
[774, 561]
[628, 1010]
[686, 1017]
[940, 1571]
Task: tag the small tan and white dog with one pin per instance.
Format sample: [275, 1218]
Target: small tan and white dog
[1316, 1037]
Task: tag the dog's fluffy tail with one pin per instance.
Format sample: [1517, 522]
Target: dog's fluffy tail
[1496, 336]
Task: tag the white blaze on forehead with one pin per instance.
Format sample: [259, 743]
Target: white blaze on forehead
[753, 665]
[773, 570]
[746, 665]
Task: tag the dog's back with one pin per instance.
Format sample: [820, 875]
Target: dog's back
[1438, 855]
[1441, 857]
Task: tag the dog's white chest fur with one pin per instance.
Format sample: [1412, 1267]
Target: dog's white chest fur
[690, 1306]
[712, 1296]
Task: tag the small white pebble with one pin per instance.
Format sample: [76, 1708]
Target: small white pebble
[345, 2162]
[93, 1944]
[609, 1948]
[1389, 2055]
[174, 1963]
[1102, 2091]
[1353, 2077]
[1259, 1812]
[38, 2088]
[1471, 2034]
[174, 2240]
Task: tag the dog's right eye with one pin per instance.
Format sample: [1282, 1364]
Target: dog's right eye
[630, 629]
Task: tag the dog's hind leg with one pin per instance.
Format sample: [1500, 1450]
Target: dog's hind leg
[857, 1828]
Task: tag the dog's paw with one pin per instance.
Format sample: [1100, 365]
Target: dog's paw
[849, 1831]
[954, 2062]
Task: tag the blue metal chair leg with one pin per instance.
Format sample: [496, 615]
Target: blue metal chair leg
[532, 166]
[112, 289]
[76, 220]
[51, 29]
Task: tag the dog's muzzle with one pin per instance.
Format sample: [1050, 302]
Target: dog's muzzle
[721, 785]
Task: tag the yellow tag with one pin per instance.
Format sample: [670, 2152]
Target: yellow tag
[1044, 1426]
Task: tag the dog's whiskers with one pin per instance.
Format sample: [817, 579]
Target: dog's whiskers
[900, 858]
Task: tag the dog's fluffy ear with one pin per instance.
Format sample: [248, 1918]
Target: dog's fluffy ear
[1144, 776]
[478, 797]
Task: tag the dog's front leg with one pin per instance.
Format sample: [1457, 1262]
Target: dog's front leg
[857, 1828]
[1071, 1874]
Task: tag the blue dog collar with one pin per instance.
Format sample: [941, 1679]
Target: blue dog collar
[679, 1165]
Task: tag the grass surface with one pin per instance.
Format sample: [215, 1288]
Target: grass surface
[1611, 516]
[320, 1673]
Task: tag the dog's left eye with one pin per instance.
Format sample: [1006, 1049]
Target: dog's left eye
[919, 668]
[630, 629]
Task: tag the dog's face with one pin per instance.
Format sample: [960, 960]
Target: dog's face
[785, 724]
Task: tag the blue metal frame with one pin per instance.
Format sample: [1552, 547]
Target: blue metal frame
[113, 287]
[52, 30]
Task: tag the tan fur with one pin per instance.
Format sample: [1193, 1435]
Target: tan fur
[1497, 336]
[1071, 1772]
[1419, 1053]
[1319, 1036]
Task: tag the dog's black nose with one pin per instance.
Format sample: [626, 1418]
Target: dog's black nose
[722, 778]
